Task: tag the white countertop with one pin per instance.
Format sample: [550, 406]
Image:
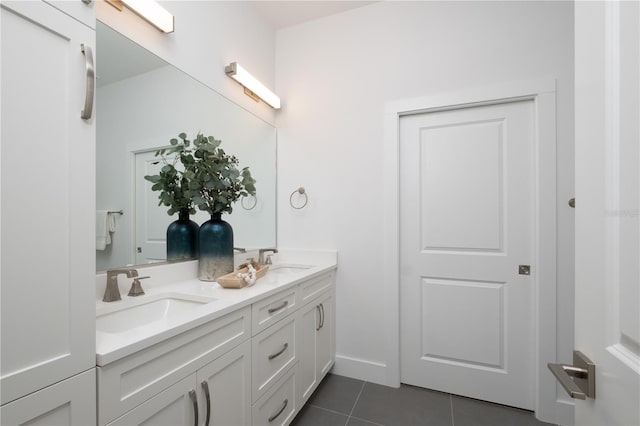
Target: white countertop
[181, 279]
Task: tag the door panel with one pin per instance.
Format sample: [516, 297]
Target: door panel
[466, 226]
[608, 207]
[461, 166]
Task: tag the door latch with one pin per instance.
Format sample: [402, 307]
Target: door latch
[579, 379]
[524, 269]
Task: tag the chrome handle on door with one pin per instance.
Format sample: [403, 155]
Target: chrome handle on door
[579, 380]
[277, 308]
[322, 310]
[205, 387]
[91, 78]
[194, 400]
[275, 416]
[280, 352]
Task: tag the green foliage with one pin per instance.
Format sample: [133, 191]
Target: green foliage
[208, 179]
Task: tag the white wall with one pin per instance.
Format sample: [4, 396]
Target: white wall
[208, 36]
[334, 76]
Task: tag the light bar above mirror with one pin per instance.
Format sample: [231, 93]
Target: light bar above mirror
[242, 76]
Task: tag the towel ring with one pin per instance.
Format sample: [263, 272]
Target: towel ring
[255, 201]
[300, 191]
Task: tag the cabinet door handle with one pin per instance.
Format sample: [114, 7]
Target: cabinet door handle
[194, 400]
[205, 387]
[277, 308]
[280, 352]
[319, 318]
[91, 78]
[322, 310]
[275, 416]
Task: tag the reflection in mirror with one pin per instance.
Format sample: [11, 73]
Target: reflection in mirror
[143, 102]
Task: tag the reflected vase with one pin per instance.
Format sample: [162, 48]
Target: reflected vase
[216, 249]
[182, 238]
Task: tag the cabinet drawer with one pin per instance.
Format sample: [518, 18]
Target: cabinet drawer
[312, 288]
[278, 407]
[172, 406]
[273, 308]
[126, 383]
[273, 352]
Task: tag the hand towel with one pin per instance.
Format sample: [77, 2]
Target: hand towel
[105, 225]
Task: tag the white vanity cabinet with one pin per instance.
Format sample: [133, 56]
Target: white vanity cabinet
[244, 368]
[216, 395]
[217, 352]
[47, 212]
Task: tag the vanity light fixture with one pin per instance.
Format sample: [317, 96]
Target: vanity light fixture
[150, 11]
[252, 85]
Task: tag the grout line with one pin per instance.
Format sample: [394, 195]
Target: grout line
[357, 398]
[365, 420]
[356, 402]
[453, 421]
[326, 409]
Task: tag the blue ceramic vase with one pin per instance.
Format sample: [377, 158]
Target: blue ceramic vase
[216, 249]
[182, 238]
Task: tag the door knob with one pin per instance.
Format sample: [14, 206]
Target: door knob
[579, 379]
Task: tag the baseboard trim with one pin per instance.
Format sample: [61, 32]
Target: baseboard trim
[361, 369]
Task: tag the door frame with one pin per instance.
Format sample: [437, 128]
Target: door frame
[543, 95]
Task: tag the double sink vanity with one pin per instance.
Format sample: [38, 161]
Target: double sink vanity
[190, 352]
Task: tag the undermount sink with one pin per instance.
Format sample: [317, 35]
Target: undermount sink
[137, 313]
[288, 269]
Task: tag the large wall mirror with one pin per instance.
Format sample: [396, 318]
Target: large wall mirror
[143, 102]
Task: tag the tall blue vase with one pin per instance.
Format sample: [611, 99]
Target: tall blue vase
[216, 248]
[182, 238]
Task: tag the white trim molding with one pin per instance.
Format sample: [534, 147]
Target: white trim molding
[543, 93]
[358, 368]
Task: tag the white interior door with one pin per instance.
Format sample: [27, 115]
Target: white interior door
[151, 220]
[466, 207]
[607, 207]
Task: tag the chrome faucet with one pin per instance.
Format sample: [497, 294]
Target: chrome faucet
[261, 253]
[112, 292]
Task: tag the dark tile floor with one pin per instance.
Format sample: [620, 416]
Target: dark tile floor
[341, 401]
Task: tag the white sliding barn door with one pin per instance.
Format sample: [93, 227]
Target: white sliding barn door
[466, 226]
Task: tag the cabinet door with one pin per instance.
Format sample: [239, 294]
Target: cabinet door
[309, 319]
[176, 405]
[47, 178]
[317, 343]
[70, 402]
[326, 335]
[228, 383]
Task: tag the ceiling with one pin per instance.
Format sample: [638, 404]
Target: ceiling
[283, 14]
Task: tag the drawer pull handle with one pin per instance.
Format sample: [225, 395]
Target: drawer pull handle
[280, 352]
[275, 416]
[322, 310]
[277, 308]
[319, 318]
[205, 387]
[194, 400]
